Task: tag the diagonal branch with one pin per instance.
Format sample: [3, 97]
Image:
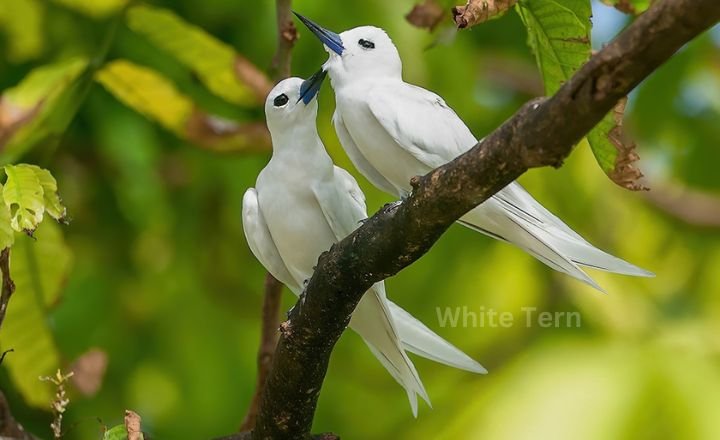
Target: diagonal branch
[541, 133]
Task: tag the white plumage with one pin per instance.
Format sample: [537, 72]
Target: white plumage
[393, 131]
[301, 205]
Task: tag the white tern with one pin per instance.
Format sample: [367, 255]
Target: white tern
[393, 131]
[301, 205]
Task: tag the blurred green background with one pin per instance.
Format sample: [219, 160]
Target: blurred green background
[157, 274]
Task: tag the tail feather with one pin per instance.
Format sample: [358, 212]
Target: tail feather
[373, 321]
[587, 255]
[512, 215]
[568, 241]
[419, 339]
[528, 237]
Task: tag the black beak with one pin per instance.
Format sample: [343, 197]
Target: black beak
[311, 86]
[328, 38]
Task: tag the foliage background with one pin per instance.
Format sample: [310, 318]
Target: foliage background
[160, 278]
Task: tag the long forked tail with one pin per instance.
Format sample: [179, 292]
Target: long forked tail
[417, 338]
[514, 216]
[373, 321]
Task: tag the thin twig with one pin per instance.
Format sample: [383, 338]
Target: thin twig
[268, 342]
[8, 286]
[541, 133]
[287, 36]
[4, 353]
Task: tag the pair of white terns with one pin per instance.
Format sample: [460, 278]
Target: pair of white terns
[392, 131]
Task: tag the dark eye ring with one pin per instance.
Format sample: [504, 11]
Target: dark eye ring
[280, 100]
[366, 44]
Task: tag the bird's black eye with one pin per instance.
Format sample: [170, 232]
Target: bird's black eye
[280, 100]
[366, 44]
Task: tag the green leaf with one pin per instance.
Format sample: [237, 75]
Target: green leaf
[22, 21]
[7, 235]
[605, 153]
[117, 432]
[634, 7]
[559, 35]
[23, 195]
[214, 62]
[94, 8]
[39, 268]
[37, 107]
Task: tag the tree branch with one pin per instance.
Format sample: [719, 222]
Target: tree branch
[268, 342]
[541, 133]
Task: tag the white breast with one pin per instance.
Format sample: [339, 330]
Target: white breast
[294, 219]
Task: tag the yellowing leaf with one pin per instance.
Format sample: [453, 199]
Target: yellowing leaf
[148, 92]
[23, 195]
[212, 60]
[51, 198]
[94, 8]
[614, 153]
[34, 109]
[7, 235]
[22, 21]
[153, 95]
[221, 135]
[44, 82]
[39, 268]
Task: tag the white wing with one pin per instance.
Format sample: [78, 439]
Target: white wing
[421, 123]
[342, 202]
[261, 242]
[358, 159]
[350, 185]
